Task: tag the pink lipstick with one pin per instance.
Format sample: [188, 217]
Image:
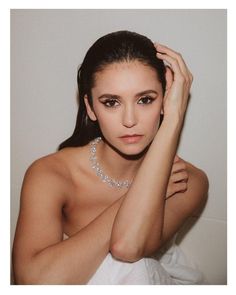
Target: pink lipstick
[132, 138]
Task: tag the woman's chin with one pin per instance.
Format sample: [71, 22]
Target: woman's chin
[128, 148]
[133, 150]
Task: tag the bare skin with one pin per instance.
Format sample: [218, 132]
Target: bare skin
[61, 194]
[79, 207]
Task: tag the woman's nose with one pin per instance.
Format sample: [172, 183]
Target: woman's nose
[129, 118]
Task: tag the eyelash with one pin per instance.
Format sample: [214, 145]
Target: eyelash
[151, 99]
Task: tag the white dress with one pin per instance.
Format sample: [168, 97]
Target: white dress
[170, 267]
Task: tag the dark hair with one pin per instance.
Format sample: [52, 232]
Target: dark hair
[114, 47]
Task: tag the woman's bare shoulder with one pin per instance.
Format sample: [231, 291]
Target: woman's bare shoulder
[194, 197]
[57, 173]
[49, 178]
[198, 185]
[58, 163]
[197, 174]
[46, 165]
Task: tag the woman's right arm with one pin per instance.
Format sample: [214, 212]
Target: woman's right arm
[40, 256]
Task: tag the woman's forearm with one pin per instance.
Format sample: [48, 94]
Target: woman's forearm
[75, 260]
[143, 207]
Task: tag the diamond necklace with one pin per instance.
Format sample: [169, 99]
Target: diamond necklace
[95, 165]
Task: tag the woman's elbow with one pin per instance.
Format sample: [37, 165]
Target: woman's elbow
[29, 279]
[25, 279]
[126, 253]
[26, 275]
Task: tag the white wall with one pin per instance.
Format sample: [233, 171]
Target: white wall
[46, 48]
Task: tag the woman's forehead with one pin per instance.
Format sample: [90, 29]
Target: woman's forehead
[126, 74]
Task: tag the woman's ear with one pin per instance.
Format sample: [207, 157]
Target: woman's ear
[90, 112]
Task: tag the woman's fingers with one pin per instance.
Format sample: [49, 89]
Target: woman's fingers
[178, 181]
[179, 176]
[180, 187]
[176, 96]
[173, 63]
[176, 159]
[162, 49]
[179, 170]
[178, 165]
[175, 187]
[174, 54]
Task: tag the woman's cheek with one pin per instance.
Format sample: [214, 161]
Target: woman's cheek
[106, 122]
[153, 119]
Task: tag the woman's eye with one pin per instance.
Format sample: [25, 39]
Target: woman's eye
[146, 100]
[110, 103]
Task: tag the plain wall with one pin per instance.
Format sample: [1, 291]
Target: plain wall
[47, 46]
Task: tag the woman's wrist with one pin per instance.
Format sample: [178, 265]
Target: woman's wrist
[173, 121]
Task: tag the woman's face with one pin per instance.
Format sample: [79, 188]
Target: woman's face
[127, 100]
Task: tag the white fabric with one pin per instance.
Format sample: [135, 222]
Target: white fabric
[170, 267]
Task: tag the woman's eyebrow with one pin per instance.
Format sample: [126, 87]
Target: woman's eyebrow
[114, 96]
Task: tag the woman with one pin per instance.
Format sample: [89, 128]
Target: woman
[116, 187]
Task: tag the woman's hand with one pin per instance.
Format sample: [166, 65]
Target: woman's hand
[178, 180]
[179, 80]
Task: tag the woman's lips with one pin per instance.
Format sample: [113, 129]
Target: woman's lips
[131, 138]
